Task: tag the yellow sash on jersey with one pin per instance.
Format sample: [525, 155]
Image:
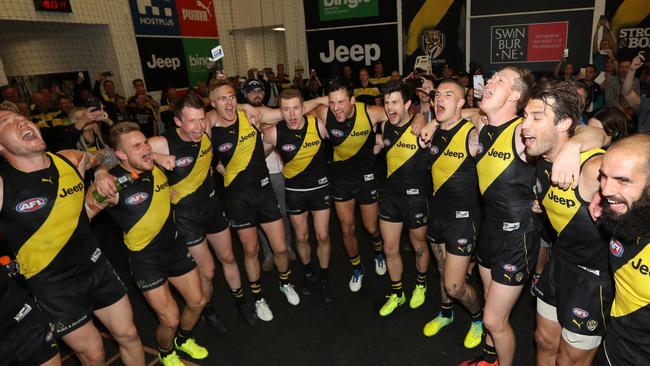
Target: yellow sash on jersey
[401, 151]
[632, 284]
[306, 152]
[451, 158]
[246, 140]
[55, 232]
[562, 205]
[495, 161]
[373, 91]
[150, 224]
[357, 137]
[199, 172]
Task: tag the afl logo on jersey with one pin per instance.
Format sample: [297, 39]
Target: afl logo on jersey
[435, 150]
[336, 133]
[184, 161]
[580, 313]
[225, 147]
[288, 147]
[31, 204]
[616, 248]
[386, 142]
[137, 198]
[479, 148]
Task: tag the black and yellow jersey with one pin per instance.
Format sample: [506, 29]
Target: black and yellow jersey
[629, 331]
[406, 160]
[578, 240]
[44, 221]
[49, 119]
[144, 210]
[453, 169]
[239, 148]
[353, 141]
[191, 178]
[303, 155]
[505, 181]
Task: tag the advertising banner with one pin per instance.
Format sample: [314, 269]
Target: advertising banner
[339, 13]
[163, 62]
[630, 22]
[435, 29]
[197, 57]
[154, 17]
[330, 49]
[197, 18]
[535, 41]
[343, 9]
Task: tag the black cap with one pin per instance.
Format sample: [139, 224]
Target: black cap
[252, 84]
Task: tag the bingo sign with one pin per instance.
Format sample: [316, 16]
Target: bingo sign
[536, 42]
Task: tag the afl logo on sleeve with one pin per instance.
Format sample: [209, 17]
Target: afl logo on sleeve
[31, 204]
[616, 248]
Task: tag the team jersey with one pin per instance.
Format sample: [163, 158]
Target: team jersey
[353, 141]
[630, 315]
[239, 148]
[578, 240]
[303, 156]
[505, 181]
[44, 221]
[144, 210]
[191, 178]
[406, 160]
[13, 301]
[453, 169]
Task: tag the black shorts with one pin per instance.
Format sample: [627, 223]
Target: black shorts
[362, 188]
[252, 207]
[299, 202]
[457, 229]
[69, 303]
[509, 248]
[581, 296]
[28, 342]
[153, 265]
[195, 221]
[412, 210]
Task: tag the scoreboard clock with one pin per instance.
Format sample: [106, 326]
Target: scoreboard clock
[53, 5]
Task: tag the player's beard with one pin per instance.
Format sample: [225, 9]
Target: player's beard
[635, 223]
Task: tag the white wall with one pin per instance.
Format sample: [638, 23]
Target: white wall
[244, 31]
[97, 36]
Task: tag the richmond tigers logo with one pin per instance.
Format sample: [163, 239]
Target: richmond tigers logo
[432, 43]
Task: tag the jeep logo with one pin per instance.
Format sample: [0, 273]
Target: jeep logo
[561, 200]
[68, 191]
[160, 187]
[164, 63]
[31, 204]
[499, 154]
[454, 154]
[367, 53]
[406, 146]
[359, 133]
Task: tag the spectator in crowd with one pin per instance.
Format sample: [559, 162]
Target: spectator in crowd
[346, 77]
[365, 91]
[109, 95]
[639, 104]
[282, 77]
[139, 88]
[144, 116]
[470, 101]
[47, 119]
[613, 88]
[424, 94]
[378, 77]
[463, 79]
[395, 76]
[613, 121]
[595, 92]
[605, 51]
[273, 91]
[447, 72]
[120, 113]
[10, 93]
[170, 97]
[314, 86]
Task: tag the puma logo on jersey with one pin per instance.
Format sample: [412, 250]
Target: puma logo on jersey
[444, 138]
[47, 180]
[69, 191]
[489, 135]
[454, 154]
[561, 200]
[499, 154]
[577, 323]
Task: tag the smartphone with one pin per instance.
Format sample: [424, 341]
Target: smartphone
[107, 73]
[93, 104]
[565, 53]
[479, 84]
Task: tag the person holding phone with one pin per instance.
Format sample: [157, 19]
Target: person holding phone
[639, 104]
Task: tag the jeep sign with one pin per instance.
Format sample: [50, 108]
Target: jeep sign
[360, 47]
[163, 62]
